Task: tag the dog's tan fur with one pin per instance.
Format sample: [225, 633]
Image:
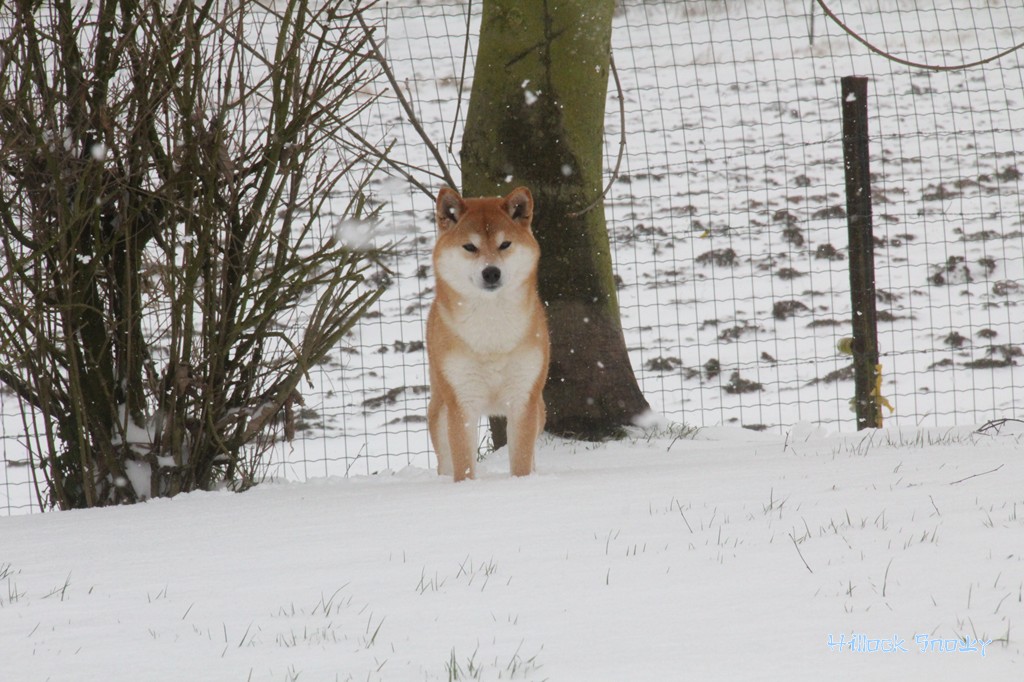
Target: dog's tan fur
[487, 335]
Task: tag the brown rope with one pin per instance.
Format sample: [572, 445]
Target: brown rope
[906, 62]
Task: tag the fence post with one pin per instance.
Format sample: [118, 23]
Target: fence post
[862, 250]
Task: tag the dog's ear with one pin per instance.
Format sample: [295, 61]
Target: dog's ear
[519, 206]
[450, 208]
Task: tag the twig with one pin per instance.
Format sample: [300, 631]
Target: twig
[976, 475]
[797, 545]
[622, 141]
[395, 165]
[410, 114]
[462, 76]
[996, 425]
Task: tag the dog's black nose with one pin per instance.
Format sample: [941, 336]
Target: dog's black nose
[491, 275]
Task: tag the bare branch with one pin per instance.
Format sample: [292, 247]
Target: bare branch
[409, 113]
[622, 142]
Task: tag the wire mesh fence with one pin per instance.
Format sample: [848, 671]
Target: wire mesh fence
[727, 217]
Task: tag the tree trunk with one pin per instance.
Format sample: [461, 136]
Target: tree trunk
[536, 118]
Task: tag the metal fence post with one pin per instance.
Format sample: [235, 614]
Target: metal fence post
[862, 248]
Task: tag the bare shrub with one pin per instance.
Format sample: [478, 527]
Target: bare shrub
[169, 174]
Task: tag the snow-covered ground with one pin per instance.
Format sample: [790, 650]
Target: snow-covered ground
[732, 556]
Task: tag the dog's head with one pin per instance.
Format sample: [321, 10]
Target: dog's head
[485, 245]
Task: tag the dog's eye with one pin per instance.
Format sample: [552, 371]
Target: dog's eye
[505, 245]
[470, 247]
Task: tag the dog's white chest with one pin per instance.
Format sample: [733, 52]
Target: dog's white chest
[490, 327]
[494, 384]
[497, 366]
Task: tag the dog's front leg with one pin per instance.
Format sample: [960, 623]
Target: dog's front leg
[437, 420]
[524, 425]
[462, 440]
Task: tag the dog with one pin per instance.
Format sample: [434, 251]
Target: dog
[487, 333]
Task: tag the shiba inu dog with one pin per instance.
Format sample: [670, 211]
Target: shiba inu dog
[487, 334]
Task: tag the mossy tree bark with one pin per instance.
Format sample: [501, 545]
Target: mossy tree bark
[536, 118]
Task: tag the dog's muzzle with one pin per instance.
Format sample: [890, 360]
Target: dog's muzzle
[491, 276]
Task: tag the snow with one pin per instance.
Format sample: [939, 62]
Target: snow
[356, 234]
[731, 555]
